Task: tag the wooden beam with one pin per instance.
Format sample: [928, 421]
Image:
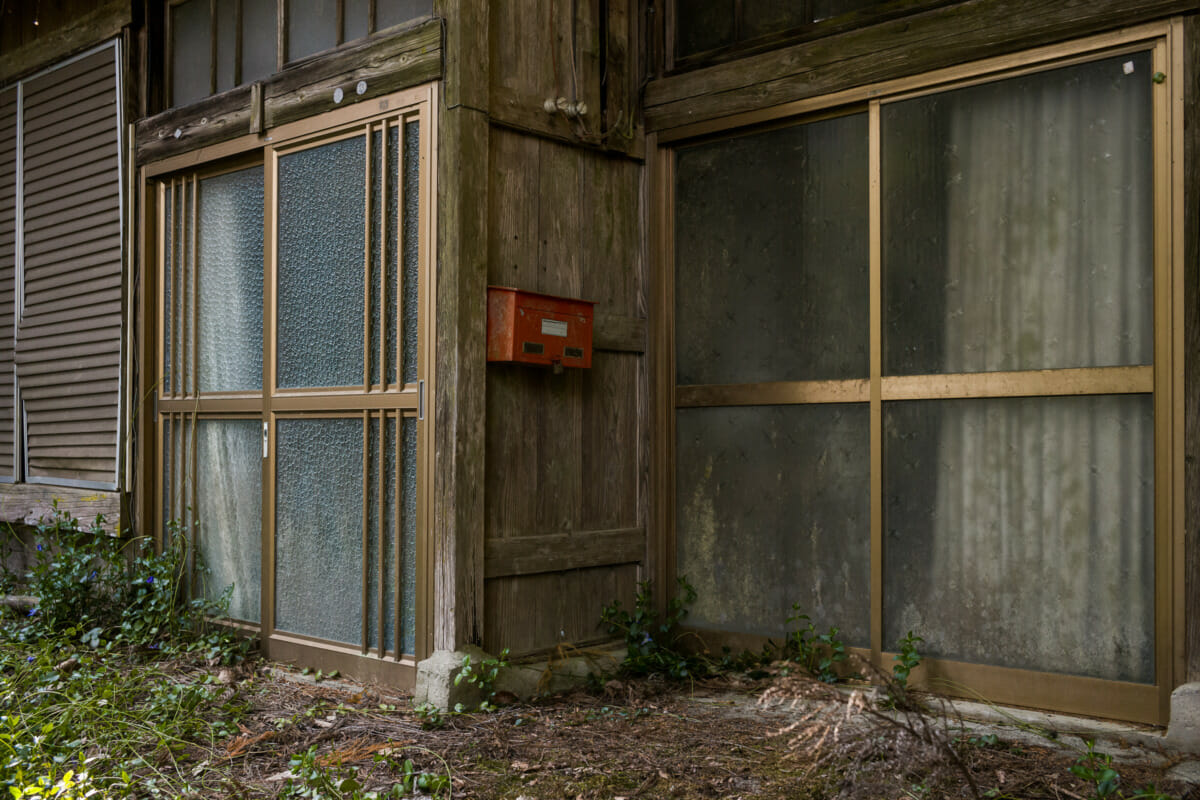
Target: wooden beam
[618, 333]
[385, 64]
[104, 22]
[941, 37]
[33, 504]
[461, 311]
[530, 555]
[1191, 333]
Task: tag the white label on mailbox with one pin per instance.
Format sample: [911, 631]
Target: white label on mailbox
[553, 327]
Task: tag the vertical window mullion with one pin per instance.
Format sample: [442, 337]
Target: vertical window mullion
[212, 47]
[381, 522]
[876, 368]
[237, 43]
[368, 177]
[366, 522]
[383, 265]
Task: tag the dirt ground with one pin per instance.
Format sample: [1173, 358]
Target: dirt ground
[647, 739]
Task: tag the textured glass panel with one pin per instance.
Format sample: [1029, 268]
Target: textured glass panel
[230, 281]
[408, 533]
[179, 232]
[773, 508]
[322, 203]
[394, 12]
[702, 25]
[824, 9]
[226, 43]
[318, 528]
[311, 27]
[382, 563]
[168, 271]
[187, 290]
[389, 257]
[376, 216]
[229, 483]
[259, 21]
[762, 17]
[1019, 532]
[412, 227]
[1018, 223]
[772, 254]
[191, 52]
[356, 19]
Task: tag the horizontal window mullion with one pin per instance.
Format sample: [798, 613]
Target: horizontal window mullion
[856, 390]
[357, 401]
[1031, 383]
[246, 404]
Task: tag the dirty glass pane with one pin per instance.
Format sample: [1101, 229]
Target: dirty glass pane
[191, 51]
[168, 245]
[773, 508]
[375, 213]
[226, 43]
[390, 267]
[824, 9]
[318, 528]
[322, 203]
[229, 276]
[702, 25]
[259, 22]
[381, 564]
[762, 17]
[408, 533]
[311, 27]
[355, 19]
[394, 12]
[1019, 532]
[771, 256]
[229, 493]
[411, 247]
[1018, 223]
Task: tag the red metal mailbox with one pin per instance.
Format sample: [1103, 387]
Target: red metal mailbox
[532, 328]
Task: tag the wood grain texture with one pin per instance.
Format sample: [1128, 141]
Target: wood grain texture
[75, 27]
[937, 38]
[618, 333]
[1191, 332]
[531, 555]
[387, 64]
[33, 504]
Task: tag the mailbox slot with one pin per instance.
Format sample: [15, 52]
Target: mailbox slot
[533, 328]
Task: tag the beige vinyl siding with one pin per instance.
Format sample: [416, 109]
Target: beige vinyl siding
[8, 265]
[68, 350]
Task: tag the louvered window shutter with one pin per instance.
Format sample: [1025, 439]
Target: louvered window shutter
[8, 268]
[68, 345]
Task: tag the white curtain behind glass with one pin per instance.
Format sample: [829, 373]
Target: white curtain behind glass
[1042, 518]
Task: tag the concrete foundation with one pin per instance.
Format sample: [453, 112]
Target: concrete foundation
[1183, 733]
[436, 674]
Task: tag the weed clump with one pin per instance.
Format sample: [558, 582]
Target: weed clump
[653, 644]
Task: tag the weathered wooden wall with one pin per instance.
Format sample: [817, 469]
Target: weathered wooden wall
[35, 34]
[1191, 256]
[564, 519]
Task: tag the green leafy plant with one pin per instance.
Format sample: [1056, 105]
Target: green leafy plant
[1097, 769]
[907, 659]
[483, 677]
[317, 781]
[652, 644]
[818, 654]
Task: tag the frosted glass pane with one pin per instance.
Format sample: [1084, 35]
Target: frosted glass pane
[702, 25]
[389, 257]
[376, 214]
[382, 565]
[229, 484]
[168, 269]
[772, 254]
[356, 19]
[762, 17]
[226, 43]
[412, 228]
[191, 52]
[1020, 532]
[773, 508]
[318, 528]
[230, 281]
[259, 21]
[394, 12]
[311, 27]
[824, 9]
[322, 204]
[408, 532]
[1018, 223]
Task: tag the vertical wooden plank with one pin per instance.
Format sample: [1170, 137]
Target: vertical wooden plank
[461, 344]
[876, 368]
[610, 436]
[512, 390]
[1191, 326]
[661, 367]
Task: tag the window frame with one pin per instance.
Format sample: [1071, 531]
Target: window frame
[1163, 379]
[367, 402]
